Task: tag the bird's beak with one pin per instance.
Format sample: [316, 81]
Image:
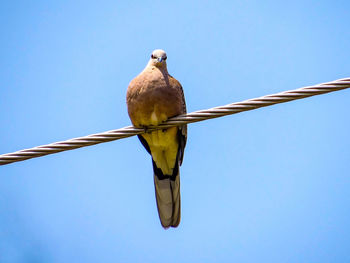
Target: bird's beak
[160, 59]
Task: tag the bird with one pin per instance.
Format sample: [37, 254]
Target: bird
[153, 97]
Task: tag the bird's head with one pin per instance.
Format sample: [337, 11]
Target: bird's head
[158, 58]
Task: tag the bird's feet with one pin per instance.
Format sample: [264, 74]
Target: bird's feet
[147, 129]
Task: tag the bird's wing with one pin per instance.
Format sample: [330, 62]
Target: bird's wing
[182, 133]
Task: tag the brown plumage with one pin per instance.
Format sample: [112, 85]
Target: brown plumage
[153, 97]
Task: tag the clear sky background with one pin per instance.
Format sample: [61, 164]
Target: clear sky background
[269, 185]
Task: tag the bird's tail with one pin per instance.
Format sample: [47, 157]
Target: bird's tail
[168, 197]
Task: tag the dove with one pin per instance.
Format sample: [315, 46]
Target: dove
[153, 97]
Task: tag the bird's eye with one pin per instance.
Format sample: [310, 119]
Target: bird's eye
[165, 58]
[152, 56]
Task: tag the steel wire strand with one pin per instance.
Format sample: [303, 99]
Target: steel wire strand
[196, 116]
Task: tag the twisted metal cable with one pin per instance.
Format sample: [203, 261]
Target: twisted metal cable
[196, 116]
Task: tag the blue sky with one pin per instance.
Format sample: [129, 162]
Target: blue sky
[269, 185]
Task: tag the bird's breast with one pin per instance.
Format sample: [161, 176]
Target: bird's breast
[153, 103]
